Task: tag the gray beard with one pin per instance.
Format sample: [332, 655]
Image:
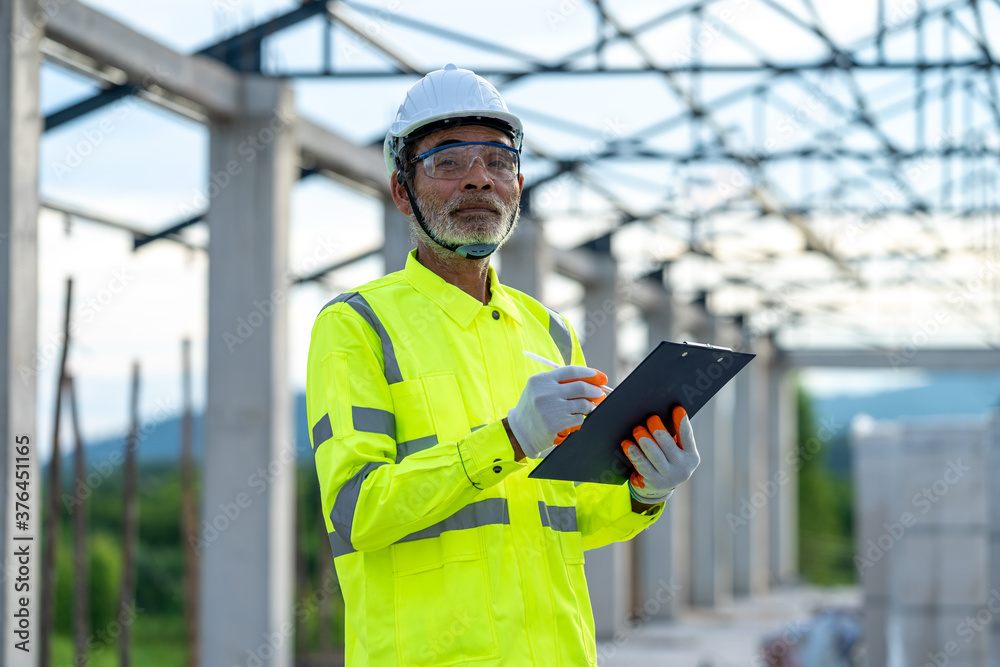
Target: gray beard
[486, 228]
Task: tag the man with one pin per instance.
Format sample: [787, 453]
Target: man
[426, 419]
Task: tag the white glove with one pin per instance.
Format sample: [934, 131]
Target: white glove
[662, 462]
[552, 402]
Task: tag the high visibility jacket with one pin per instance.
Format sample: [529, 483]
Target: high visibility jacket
[446, 552]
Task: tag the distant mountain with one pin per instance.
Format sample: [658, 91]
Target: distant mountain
[162, 442]
[945, 394]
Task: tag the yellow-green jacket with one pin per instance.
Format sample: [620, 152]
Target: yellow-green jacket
[446, 552]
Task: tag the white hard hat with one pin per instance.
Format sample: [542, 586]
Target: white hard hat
[442, 95]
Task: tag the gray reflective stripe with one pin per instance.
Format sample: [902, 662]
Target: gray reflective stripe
[560, 334]
[364, 309]
[342, 514]
[476, 428]
[322, 431]
[339, 546]
[558, 518]
[482, 513]
[404, 449]
[337, 299]
[374, 420]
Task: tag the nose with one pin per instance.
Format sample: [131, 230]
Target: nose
[478, 177]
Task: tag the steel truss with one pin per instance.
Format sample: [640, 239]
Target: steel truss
[821, 145]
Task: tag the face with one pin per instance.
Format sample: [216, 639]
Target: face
[473, 209]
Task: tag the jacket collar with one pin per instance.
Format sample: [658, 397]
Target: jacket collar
[457, 304]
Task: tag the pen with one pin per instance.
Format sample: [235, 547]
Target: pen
[552, 364]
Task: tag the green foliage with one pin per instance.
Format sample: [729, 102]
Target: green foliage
[156, 640]
[105, 581]
[158, 631]
[825, 505]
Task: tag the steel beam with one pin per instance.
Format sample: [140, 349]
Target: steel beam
[715, 68]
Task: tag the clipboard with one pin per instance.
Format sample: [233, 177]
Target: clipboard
[685, 374]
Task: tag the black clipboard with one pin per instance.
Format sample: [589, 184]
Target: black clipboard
[685, 374]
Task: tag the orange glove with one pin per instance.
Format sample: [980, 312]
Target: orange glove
[662, 459]
[598, 380]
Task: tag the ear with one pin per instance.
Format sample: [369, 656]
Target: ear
[399, 194]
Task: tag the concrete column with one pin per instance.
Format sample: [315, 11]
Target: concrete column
[609, 569]
[248, 529]
[782, 473]
[526, 258]
[742, 520]
[397, 238]
[20, 130]
[659, 548]
[759, 527]
[711, 495]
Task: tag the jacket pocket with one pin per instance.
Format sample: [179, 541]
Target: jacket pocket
[413, 418]
[447, 408]
[443, 607]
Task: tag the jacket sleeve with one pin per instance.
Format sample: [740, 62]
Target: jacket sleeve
[604, 512]
[369, 499]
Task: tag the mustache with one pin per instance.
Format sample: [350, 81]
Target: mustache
[492, 202]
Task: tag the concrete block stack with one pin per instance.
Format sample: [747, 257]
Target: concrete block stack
[923, 540]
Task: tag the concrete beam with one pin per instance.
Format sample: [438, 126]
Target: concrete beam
[146, 62]
[945, 359]
[204, 81]
[248, 564]
[359, 165]
[20, 131]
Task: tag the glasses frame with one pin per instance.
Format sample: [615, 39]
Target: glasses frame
[428, 153]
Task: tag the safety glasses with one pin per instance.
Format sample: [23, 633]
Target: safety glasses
[454, 161]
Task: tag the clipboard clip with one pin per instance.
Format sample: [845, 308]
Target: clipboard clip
[710, 347]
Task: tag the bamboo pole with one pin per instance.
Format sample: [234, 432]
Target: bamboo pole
[130, 523]
[49, 546]
[188, 517]
[81, 577]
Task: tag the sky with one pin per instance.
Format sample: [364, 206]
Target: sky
[138, 163]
